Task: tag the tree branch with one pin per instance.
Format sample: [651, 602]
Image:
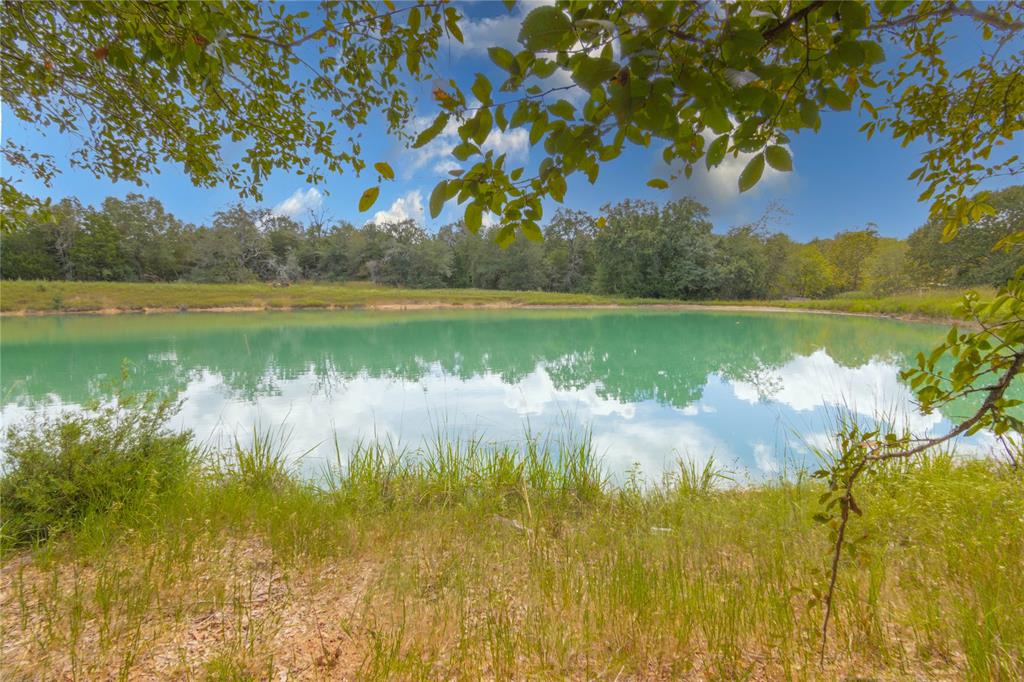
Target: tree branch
[774, 32]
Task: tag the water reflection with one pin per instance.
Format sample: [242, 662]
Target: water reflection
[651, 385]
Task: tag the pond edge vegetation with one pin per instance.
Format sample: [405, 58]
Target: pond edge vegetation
[533, 552]
[34, 298]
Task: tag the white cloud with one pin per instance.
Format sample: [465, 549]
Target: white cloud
[720, 185]
[497, 31]
[655, 447]
[445, 165]
[437, 154]
[408, 207]
[764, 458]
[536, 394]
[514, 142]
[299, 202]
[872, 390]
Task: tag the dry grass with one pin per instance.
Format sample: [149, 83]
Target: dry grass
[416, 571]
[927, 304]
[63, 297]
[128, 297]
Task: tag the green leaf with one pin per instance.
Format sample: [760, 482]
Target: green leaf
[452, 24]
[414, 20]
[543, 68]
[590, 73]
[657, 183]
[563, 109]
[482, 89]
[778, 158]
[557, 186]
[716, 151]
[547, 28]
[745, 41]
[537, 130]
[368, 198]
[837, 99]
[873, 52]
[430, 133]
[464, 150]
[752, 173]
[385, 170]
[474, 217]
[484, 121]
[716, 119]
[502, 58]
[532, 232]
[809, 114]
[505, 236]
[853, 16]
[850, 53]
[437, 198]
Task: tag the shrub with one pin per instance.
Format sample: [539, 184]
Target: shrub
[114, 459]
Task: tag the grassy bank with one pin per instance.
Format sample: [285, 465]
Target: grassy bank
[937, 304]
[470, 562]
[56, 297]
[118, 296]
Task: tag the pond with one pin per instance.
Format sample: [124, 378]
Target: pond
[757, 391]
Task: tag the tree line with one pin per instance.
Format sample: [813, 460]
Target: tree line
[635, 248]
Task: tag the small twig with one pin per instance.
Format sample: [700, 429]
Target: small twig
[878, 453]
[845, 503]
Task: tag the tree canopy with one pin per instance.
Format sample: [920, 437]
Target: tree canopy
[138, 83]
[227, 91]
[644, 249]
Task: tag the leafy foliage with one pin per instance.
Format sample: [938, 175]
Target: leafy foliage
[971, 258]
[701, 84]
[995, 354]
[117, 459]
[985, 362]
[141, 83]
[632, 248]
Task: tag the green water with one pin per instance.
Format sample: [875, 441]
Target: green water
[650, 385]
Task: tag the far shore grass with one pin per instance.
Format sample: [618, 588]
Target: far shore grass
[57, 297]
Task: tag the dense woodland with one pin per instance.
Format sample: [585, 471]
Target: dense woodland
[641, 249]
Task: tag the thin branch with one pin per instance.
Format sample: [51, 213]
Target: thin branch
[847, 503]
[952, 9]
[774, 32]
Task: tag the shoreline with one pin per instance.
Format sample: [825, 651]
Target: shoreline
[309, 578]
[499, 305]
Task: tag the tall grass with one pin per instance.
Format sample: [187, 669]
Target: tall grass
[263, 463]
[464, 559]
[446, 472]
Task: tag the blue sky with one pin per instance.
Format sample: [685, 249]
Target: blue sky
[840, 179]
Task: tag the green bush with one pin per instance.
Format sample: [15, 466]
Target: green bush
[115, 459]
